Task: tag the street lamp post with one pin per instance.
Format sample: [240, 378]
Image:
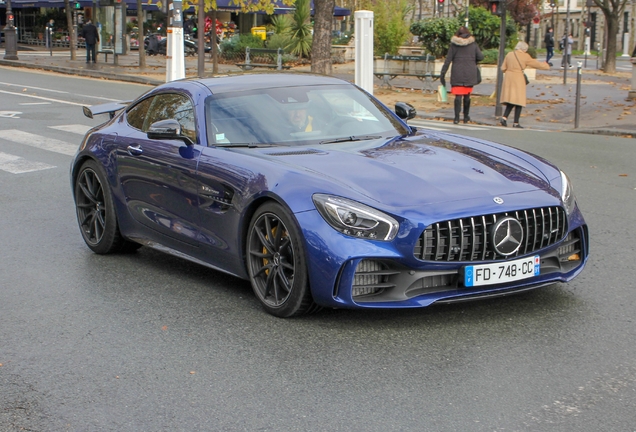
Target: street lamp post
[10, 40]
[566, 44]
[502, 53]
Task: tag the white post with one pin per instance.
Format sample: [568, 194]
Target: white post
[626, 52]
[631, 94]
[364, 50]
[175, 63]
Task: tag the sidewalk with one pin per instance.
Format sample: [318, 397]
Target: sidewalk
[604, 105]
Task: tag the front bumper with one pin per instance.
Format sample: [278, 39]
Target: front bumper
[353, 273]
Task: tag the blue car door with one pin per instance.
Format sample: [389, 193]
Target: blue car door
[159, 177]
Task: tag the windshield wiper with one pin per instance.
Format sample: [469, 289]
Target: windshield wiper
[249, 145]
[351, 138]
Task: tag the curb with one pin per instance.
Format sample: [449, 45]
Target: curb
[84, 73]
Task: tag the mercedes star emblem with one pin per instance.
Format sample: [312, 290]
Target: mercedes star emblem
[507, 235]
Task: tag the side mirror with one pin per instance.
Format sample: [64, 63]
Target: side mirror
[167, 129]
[405, 111]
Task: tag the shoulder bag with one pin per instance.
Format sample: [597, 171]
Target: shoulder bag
[522, 69]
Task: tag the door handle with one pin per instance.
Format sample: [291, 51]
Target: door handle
[134, 150]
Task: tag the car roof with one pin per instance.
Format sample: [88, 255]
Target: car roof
[246, 82]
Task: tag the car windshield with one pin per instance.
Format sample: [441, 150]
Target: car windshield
[298, 115]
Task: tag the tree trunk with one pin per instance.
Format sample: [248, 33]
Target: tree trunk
[215, 51]
[140, 35]
[201, 38]
[71, 29]
[611, 23]
[321, 45]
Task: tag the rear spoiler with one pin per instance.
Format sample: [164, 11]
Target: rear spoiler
[110, 108]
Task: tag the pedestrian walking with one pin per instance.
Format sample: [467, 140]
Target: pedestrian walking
[464, 54]
[549, 45]
[91, 37]
[513, 92]
[567, 50]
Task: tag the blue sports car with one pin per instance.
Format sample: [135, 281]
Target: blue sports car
[321, 196]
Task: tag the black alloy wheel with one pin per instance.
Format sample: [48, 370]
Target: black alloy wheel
[276, 262]
[96, 213]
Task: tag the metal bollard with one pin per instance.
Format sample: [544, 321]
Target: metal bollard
[577, 104]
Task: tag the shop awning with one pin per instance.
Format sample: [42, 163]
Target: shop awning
[222, 5]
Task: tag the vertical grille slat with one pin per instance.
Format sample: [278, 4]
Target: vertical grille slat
[534, 229]
[438, 241]
[473, 239]
[461, 240]
[484, 237]
[449, 241]
[526, 225]
[543, 227]
[468, 239]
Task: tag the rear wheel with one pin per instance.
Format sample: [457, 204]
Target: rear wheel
[190, 50]
[96, 212]
[276, 262]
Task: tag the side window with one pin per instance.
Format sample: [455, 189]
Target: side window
[172, 106]
[137, 114]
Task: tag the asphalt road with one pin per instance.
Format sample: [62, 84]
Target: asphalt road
[154, 343]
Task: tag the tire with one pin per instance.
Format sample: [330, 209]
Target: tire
[96, 212]
[276, 262]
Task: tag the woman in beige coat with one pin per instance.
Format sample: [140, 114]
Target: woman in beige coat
[513, 92]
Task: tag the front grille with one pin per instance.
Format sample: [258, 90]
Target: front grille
[371, 277]
[469, 239]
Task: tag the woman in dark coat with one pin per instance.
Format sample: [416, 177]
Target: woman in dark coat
[464, 54]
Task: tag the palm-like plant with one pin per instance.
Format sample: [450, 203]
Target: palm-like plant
[300, 30]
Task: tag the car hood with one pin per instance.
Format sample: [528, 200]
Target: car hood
[423, 169]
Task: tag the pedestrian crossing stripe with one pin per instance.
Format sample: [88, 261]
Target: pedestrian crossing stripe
[445, 126]
[17, 165]
[38, 141]
[79, 129]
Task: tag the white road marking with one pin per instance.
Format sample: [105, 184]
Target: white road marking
[435, 125]
[39, 141]
[17, 165]
[79, 129]
[10, 114]
[35, 103]
[56, 91]
[42, 98]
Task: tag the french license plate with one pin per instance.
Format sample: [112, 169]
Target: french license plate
[510, 271]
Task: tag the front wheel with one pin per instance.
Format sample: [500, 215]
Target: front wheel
[276, 262]
[96, 212]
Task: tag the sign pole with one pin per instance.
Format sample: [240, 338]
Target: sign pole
[10, 39]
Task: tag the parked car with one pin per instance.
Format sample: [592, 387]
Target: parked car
[158, 46]
[319, 195]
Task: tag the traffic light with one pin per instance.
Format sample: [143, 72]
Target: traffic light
[495, 7]
[77, 5]
[440, 6]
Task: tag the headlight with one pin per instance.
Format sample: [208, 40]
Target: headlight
[354, 219]
[567, 194]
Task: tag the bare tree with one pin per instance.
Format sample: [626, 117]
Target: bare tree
[613, 10]
[321, 46]
[71, 29]
[140, 35]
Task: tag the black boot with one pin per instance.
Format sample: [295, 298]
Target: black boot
[458, 108]
[466, 108]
